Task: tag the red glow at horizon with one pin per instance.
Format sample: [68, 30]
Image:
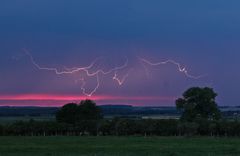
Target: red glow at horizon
[39, 97]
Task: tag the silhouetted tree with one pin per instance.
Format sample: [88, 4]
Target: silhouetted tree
[188, 128]
[105, 127]
[73, 113]
[198, 103]
[68, 113]
[87, 110]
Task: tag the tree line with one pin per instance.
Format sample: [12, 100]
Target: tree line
[200, 116]
[122, 127]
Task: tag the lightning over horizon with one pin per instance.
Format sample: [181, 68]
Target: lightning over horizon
[128, 48]
[87, 71]
[114, 70]
[169, 61]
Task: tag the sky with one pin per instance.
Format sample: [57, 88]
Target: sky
[47, 46]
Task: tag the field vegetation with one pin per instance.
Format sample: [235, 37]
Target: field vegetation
[118, 146]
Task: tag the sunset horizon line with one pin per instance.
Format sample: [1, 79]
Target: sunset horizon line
[61, 99]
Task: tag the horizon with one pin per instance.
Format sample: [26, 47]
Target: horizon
[131, 51]
[107, 104]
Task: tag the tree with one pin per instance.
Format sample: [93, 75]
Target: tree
[68, 113]
[198, 103]
[73, 113]
[87, 110]
[188, 128]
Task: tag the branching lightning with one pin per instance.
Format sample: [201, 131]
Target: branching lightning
[122, 80]
[95, 73]
[178, 65]
[86, 69]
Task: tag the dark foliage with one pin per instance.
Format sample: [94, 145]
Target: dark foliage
[198, 103]
[73, 113]
[123, 127]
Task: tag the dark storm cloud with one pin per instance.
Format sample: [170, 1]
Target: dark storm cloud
[202, 35]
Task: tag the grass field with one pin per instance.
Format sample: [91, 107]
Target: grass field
[118, 146]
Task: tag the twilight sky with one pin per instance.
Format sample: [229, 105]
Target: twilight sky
[203, 36]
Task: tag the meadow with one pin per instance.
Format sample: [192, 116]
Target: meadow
[118, 146]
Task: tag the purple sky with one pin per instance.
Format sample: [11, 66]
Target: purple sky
[203, 37]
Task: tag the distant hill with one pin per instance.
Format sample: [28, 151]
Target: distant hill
[108, 110]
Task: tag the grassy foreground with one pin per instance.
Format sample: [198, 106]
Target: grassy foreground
[118, 146]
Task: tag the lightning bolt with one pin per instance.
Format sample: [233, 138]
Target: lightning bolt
[86, 70]
[121, 81]
[178, 65]
[90, 72]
